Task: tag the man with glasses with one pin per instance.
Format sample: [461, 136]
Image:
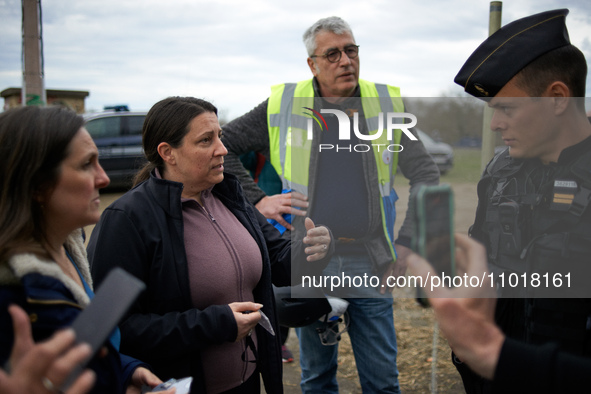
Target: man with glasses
[346, 184]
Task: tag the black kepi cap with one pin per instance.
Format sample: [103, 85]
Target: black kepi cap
[508, 50]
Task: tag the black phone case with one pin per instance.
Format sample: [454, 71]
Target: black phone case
[98, 320]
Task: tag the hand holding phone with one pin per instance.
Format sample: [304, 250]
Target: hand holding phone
[183, 386]
[98, 320]
[433, 238]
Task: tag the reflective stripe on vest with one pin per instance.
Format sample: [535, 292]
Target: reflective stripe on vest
[288, 142]
[288, 129]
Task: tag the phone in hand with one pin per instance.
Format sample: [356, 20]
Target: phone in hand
[183, 386]
[434, 231]
[97, 321]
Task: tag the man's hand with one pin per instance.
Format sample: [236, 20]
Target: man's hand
[319, 240]
[466, 314]
[273, 207]
[395, 269]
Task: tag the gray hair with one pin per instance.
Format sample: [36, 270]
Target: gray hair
[332, 24]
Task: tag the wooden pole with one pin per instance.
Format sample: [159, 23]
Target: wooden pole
[489, 140]
[33, 90]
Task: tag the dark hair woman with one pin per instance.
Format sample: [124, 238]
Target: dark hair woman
[49, 190]
[207, 255]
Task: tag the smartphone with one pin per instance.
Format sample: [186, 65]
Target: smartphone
[183, 386]
[97, 321]
[434, 231]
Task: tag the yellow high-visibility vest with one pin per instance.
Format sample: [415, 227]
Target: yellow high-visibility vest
[289, 145]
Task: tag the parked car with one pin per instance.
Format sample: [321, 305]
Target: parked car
[118, 137]
[442, 153]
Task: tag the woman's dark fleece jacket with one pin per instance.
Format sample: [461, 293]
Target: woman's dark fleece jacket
[142, 232]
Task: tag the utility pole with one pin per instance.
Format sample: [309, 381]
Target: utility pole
[489, 139]
[33, 90]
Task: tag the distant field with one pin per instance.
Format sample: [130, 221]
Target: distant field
[466, 168]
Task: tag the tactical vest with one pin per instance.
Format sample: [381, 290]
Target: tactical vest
[536, 219]
[290, 147]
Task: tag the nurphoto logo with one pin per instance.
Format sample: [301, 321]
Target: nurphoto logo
[393, 121]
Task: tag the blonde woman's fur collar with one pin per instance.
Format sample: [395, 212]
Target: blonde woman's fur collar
[27, 263]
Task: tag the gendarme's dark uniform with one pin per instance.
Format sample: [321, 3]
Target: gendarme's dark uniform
[532, 218]
[525, 230]
[536, 218]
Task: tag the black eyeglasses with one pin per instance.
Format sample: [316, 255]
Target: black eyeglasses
[334, 55]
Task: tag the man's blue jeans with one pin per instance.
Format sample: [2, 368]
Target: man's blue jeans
[372, 334]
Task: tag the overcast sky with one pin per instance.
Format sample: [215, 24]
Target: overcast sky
[231, 51]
